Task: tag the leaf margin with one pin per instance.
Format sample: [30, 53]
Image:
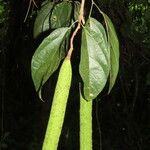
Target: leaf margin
[38, 83]
[83, 72]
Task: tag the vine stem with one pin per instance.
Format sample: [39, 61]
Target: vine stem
[80, 21]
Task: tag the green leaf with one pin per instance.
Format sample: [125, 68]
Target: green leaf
[42, 20]
[47, 57]
[95, 54]
[114, 50]
[61, 15]
[76, 10]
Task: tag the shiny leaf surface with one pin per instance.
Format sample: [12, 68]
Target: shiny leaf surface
[114, 50]
[76, 10]
[95, 55]
[61, 15]
[42, 20]
[47, 57]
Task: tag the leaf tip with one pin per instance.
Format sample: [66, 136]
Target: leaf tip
[40, 96]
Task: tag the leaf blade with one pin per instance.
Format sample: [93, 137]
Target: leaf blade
[42, 20]
[47, 57]
[114, 51]
[76, 10]
[61, 15]
[94, 64]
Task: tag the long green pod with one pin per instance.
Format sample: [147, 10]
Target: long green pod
[85, 124]
[58, 108]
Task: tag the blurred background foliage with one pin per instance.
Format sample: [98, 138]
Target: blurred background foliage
[121, 120]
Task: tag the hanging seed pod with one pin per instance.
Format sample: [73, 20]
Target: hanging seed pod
[58, 108]
[85, 124]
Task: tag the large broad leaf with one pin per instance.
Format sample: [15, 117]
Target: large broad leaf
[76, 10]
[42, 20]
[61, 15]
[95, 55]
[114, 50]
[47, 57]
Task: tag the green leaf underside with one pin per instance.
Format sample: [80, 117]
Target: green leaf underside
[76, 10]
[95, 54]
[47, 57]
[42, 20]
[61, 15]
[114, 51]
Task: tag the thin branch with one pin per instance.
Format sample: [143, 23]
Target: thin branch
[29, 7]
[92, 3]
[80, 21]
[27, 13]
[34, 3]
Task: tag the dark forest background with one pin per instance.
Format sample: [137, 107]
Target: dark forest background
[121, 120]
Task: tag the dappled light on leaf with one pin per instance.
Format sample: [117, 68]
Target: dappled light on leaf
[47, 57]
[42, 20]
[61, 15]
[95, 54]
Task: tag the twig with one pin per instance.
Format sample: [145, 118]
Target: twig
[29, 6]
[30, 2]
[80, 21]
[34, 3]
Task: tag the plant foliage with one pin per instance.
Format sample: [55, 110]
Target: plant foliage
[95, 55]
[114, 50]
[61, 15]
[47, 57]
[99, 59]
[42, 20]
